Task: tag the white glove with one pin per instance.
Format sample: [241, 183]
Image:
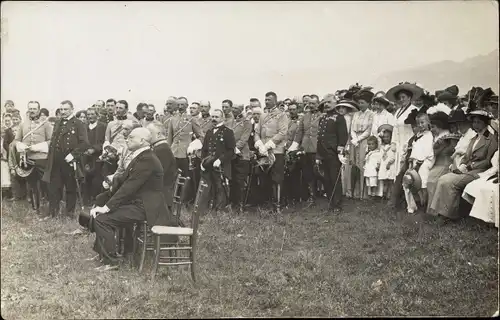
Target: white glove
[21, 147]
[40, 147]
[462, 168]
[293, 147]
[217, 163]
[194, 145]
[97, 210]
[236, 150]
[355, 142]
[105, 144]
[270, 145]
[105, 185]
[342, 159]
[318, 162]
[263, 151]
[69, 158]
[202, 167]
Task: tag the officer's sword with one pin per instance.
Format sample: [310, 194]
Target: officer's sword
[78, 188]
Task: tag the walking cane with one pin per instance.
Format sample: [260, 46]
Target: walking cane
[78, 189]
[247, 192]
[335, 186]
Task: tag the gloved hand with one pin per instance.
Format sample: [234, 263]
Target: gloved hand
[342, 159]
[217, 163]
[462, 168]
[318, 162]
[105, 185]
[270, 145]
[293, 147]
[69, 158]
[236, 150]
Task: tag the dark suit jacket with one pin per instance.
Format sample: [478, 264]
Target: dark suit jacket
[8, 138]
[96, 140]
[221, 145]
[73, 139]
[143, 183]
[332, 133]
[478, 158]
[166, 157]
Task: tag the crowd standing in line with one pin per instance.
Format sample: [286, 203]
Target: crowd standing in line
[435, 155]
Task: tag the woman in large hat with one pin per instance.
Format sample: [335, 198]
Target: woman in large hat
[483, 193]
[403, 93]
[443, 145]
[361, 128]
[449, 97]
[346, 108]
[477, 159]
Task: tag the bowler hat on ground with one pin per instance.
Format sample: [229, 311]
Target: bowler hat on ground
[86, 220]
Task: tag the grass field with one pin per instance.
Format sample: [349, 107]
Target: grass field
[366, 261]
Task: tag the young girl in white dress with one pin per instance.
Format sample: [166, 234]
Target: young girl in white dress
[372, 165]
[387, 171]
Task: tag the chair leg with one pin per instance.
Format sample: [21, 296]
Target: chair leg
[144, 247]
[134, 245]
[191, 257]
[157, 256]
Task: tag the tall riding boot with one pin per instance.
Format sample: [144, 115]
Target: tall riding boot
[277, 197]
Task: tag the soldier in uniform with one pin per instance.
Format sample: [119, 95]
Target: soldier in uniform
[332, 138]
[217, 152]
[206, 120]
[270, 138]
[32, 139]
[180, 131]
[168, 111]
[68, 142]
[227, 108]
[242, 128]
[114, 133]
[307, 137]
[292, 174]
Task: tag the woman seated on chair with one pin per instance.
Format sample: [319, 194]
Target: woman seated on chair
[444, 145]
[483, 192]
[476, 160]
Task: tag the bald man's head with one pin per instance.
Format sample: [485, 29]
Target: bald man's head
[139, 138]
[238, 109]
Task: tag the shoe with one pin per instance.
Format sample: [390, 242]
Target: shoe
[94, 258]
[75, 232]
[108, 267]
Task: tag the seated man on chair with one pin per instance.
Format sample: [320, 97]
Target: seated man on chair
[139, 197]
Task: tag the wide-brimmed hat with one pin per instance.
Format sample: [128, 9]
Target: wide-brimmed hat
[415, 91]
[86, 220]
[208, 162]
[385, 127]
[448, 94]
[349, 104]
[440, 119]
[381, 98]
[364, 94]
[412, 180]
[457, 115]
[481, 113]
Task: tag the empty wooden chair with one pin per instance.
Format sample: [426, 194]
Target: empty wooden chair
[141, 231]
[175, 252]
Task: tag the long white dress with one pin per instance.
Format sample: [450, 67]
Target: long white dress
[402, 133]
[484, 194]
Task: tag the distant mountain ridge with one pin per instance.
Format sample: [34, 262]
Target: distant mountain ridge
[481, 70]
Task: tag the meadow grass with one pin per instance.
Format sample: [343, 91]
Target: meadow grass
[366, 261]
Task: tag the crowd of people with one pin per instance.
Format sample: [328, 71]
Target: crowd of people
[434, 154]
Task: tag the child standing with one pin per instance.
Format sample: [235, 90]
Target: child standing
[387, 172]
[371, 166]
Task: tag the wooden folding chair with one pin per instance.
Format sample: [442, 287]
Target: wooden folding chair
[190, 233]
[142, 233]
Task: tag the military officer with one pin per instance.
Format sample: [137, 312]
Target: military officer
[227, 108]
[242, 128]
[180, 131]
[306, 137]
[270, 138]
[32, 139]
[205, 121]
[67, 144]
[332, 138]
[168, 111]
[293, 181]
[217, 152]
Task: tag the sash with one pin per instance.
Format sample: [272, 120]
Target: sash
[33, 130]
[120, 129]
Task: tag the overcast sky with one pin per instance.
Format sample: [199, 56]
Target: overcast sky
[86, 51]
